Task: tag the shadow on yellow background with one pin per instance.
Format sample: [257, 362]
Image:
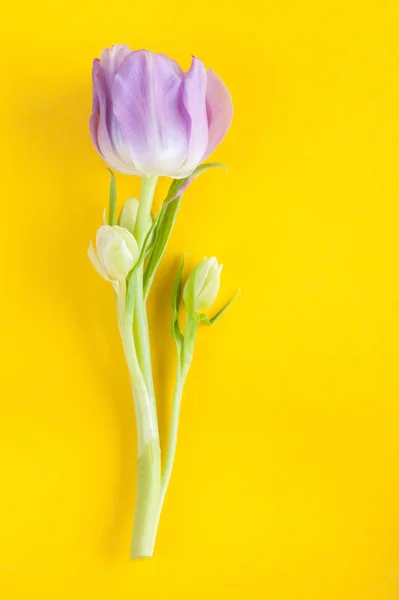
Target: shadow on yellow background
[286, 483]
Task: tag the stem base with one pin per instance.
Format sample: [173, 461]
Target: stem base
[147, 501]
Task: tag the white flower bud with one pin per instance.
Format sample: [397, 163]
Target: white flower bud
[202, 286]
[128, 215]
[116, 252]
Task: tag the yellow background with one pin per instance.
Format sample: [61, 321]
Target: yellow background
[286, 483]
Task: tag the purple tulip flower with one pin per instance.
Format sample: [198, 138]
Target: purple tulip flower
[151, 118]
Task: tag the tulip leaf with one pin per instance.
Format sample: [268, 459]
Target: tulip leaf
[212, 320]
[166, 219]
[205, 167]
[180, 185]
[163, 229]
[112, 199]
[177, 288]
[176, 299]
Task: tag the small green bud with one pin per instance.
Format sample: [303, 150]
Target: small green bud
[202, 285]
[128, 215]
[116, 252]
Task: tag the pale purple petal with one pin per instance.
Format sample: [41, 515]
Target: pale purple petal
[110, 61]
[147, 102]
[94, 118]
[104, 129]
[220, 111]
[93, 127]
[194, 94]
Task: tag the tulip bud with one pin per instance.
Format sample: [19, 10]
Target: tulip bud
[202, 285]
[128, 215]
[117, 252]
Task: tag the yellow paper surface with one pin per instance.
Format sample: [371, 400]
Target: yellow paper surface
[286, 482]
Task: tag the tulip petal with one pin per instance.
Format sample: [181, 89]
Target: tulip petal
[128, 214]
[117, 251]
[210, 289]
[93, 124]
[147, 102]
[201, 273]
[220, 111]
[95, 262]
[105, 131]
[110, 60]
[194, 93]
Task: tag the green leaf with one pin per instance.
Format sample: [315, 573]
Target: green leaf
[162, 232]
[166, 219]
[180, 185]
[216, 317]
[205, 167]
[177, 288]
[112, 199]
[176, 299]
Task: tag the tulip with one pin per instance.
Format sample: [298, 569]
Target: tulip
[202, 286]
[117, 252]
[151, 118]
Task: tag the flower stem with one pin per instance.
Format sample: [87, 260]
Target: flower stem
[185, 356]
[147, 501]
[148, 185]
[149, 456]
[172, 440]
[149, 460]
[140, 323]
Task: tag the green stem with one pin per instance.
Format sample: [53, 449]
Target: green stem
[147, 501]
[172, 440]
[148, 185]
[185, 357]
[149, 456]
[140, 324]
